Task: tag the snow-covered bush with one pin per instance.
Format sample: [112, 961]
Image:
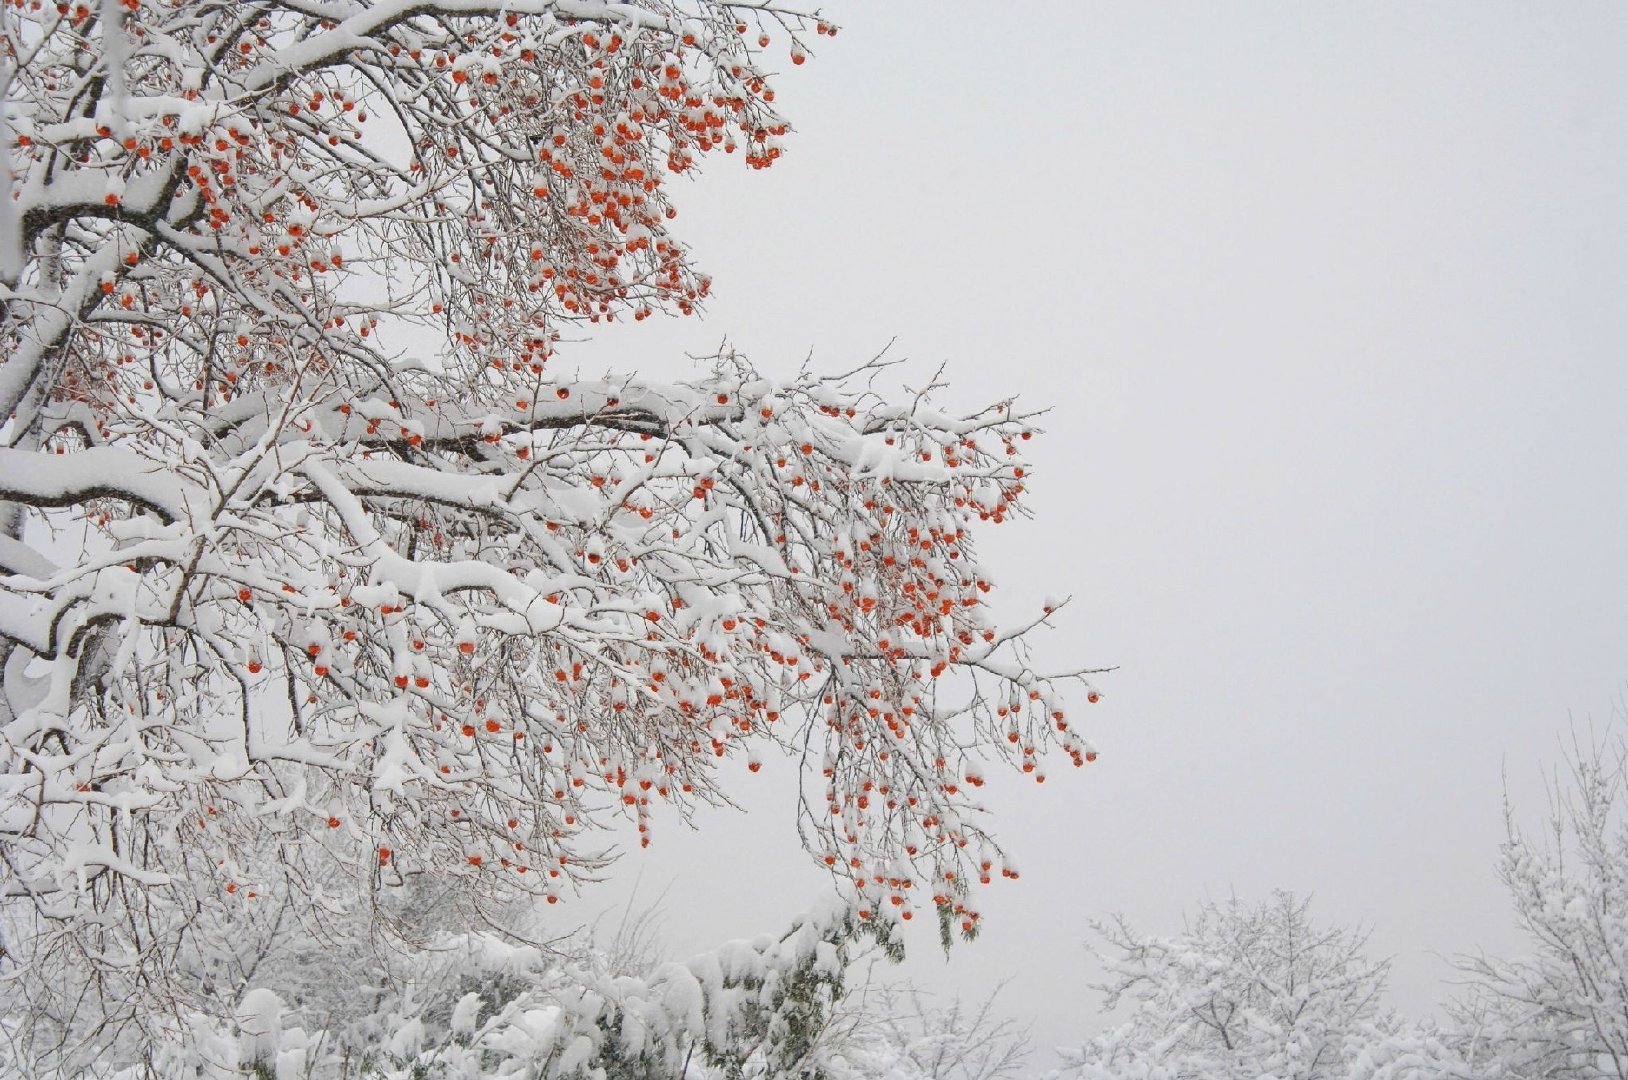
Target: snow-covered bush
[479, 1006]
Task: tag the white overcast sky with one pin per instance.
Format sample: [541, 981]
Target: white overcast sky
[1330, 303]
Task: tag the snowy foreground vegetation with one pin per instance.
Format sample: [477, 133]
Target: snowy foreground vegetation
[338, 622]
[1244, 992]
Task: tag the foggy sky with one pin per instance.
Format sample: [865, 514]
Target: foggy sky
[1330, 305]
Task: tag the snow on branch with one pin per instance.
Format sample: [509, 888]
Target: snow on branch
[310, 556]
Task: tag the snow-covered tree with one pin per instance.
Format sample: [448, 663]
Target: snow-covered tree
[1395, 1050]
[1562, 1010]
[318, 579]
[1244, 992]
[902, 1033]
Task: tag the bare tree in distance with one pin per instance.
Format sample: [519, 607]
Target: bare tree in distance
[1244, 991]
[1561, 1011]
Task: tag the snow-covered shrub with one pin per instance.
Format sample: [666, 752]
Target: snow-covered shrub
[478, 1006]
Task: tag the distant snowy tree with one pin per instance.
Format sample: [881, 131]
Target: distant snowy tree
[901, 1033]
[320, 579]
[1244, 992]
[1562, 1010]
